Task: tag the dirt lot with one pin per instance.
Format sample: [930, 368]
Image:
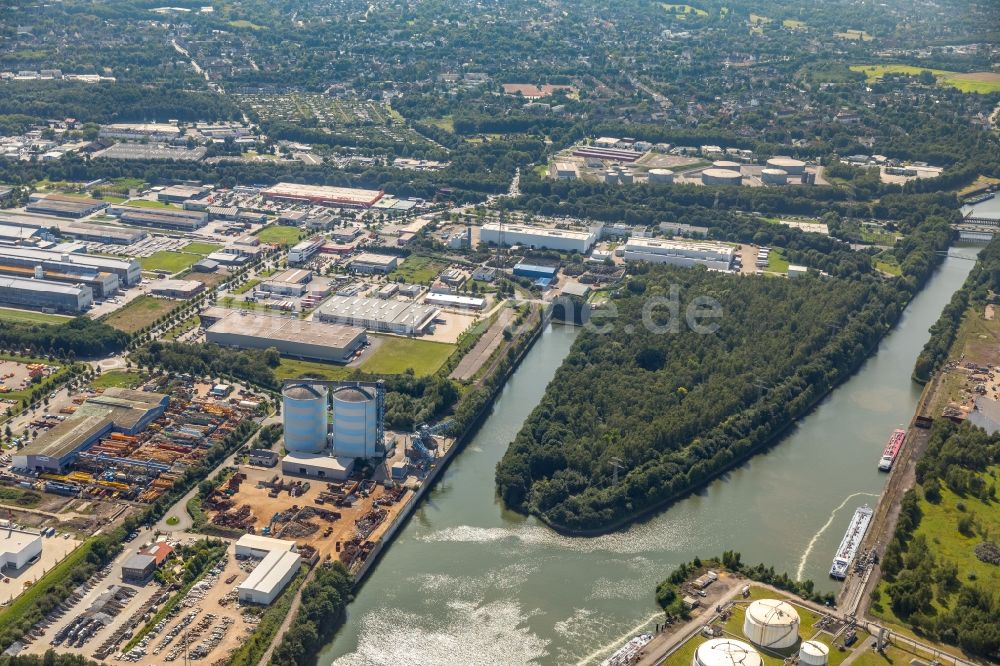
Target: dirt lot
[54, 550]
[341, 530]
[455, 323]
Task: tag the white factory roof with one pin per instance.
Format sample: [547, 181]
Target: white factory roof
[150, 128]
[270, 544]
[374, 259]
[268, 575]
[74, 257]
[654, 244]
[14, 541]
[377, 309]
[43, 286]
[324, 192]
[334, 464]
[456, 300]
[575, 234]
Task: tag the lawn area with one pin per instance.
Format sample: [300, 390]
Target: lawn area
[243, 23]
[980, 183]
[280, 235]
[201, 248]
[793, 24]
[970, 82]
[292, 368]
[246, 286]
[446, 123]
[418, 270]
[30, 317]
[149, 203]
[395, 355]
[117, 379]
[168, 260]
[854, 34]
[887, 263]
[776, 262]
[140, 313]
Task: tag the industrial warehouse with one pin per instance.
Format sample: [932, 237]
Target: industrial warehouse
[127, 270]
[61, 205]
[324, 195]
[717, 256]
[18, 548]
[160, 218]
[565, 240]
[290, 336]
[31, 293]
[279, 562]
[388, 316]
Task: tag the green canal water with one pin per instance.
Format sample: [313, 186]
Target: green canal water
[468, 583]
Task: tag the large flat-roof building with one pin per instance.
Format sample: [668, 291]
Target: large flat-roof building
[370, 264]
[182, 193]
[305, 250]
[290, 336]
[389, 316]
[45, 295]
[101, 284]
[61, 205]
[565, 240]
[151, 151]
[279, 564]
[161, 218]
[18, 548]
[128, 270]
[680, 253]
[117, 409]
[177, 288]
[136, 131]
[323, 194]
[103, 233]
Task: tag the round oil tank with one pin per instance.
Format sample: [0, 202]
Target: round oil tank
[726, 652]
[661, 176]
[355, 422]
[726, 164]
[627, 178]
[304, 412]
[813, 653]
[610, 177]
[789, 165]
[721, 177]
[774, 176]
[771, 623]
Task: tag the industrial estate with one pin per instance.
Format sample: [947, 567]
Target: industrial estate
[500, 333]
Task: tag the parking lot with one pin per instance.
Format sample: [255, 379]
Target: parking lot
[144, 248]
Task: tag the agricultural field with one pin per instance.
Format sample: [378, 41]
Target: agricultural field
[280, 235]
[30, 317]
[970, 82]
[418, 270]
[350, 119]
[140, 313]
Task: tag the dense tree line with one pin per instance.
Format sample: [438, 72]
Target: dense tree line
[982, 283]
[321, 613]
[80, 337]
[923, 584]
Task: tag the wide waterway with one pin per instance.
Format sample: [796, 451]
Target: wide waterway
[468, 583]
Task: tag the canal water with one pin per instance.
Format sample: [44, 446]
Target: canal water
[469, 583]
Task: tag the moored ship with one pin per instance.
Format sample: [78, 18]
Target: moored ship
[849, 545]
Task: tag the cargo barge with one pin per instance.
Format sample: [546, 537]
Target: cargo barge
[892, 449]
[627, 653]
[849, 545]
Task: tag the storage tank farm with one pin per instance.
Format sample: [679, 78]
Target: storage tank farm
[304, 409]
[726, 652]
[771, 623]
[355, 422]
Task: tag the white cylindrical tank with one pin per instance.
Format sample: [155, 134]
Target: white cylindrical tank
[726, 652]
[355, 422]
[813, 653]
[771, 623]
[304, 412]
[774, 176]
[661, 176]
[610, 177]
[627, 177]
[791, 166]
[726, 164]
[721, 177]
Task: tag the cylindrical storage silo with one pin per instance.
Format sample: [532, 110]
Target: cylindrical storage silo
[813, 653]
[304, 412]
[355, 422]
[660, 176]
[610, 177]
[627, 177]
[771, 623]
[774, 176]
[721, 177]
[791, 166]
[726, 652]
[726, 164]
